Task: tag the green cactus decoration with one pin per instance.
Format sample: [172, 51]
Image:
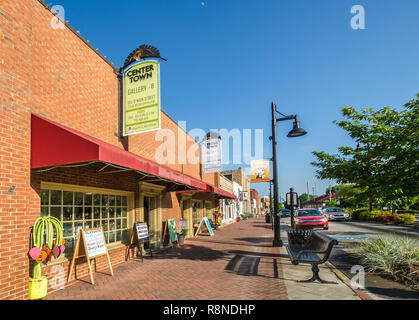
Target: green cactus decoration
[43, 233]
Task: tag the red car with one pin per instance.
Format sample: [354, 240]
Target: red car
[310, 218]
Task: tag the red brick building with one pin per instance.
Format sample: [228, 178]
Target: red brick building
[59, 103]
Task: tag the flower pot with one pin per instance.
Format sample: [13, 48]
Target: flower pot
[38, 288]
[181, 240]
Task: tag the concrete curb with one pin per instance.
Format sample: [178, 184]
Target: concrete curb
[379, 228]
[363, 294]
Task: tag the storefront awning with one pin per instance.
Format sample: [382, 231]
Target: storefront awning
[53, 144]
[215, 191]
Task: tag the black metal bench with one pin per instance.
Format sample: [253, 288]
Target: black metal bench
[311, 247]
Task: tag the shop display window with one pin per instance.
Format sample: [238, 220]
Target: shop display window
[78, 210]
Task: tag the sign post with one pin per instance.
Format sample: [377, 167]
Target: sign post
[90, 244]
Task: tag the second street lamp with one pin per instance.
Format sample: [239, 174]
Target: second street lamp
[297, 131]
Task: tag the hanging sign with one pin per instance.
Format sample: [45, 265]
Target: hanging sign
[90, 244]
[211, 155]
[244, 196]
[141, 97]
[259, 171]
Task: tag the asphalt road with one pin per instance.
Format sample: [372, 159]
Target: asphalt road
[349, 236]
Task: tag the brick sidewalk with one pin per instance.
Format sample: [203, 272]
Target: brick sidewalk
[237, 263]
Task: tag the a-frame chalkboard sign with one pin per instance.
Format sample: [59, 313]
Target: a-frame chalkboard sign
[140, 235]
[90, 244]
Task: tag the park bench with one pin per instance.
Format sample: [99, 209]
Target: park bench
[311, 247]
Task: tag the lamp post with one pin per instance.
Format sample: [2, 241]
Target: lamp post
[270, 203]
[295, 132]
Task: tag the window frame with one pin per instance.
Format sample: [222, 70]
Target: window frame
[103, 191]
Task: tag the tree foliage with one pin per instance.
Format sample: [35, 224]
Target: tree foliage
[303, 197]
[384, 165]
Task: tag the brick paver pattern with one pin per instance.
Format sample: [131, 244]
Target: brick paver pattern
[237, 263]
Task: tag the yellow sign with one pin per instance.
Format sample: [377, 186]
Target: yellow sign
[259, 171]
[141, 93]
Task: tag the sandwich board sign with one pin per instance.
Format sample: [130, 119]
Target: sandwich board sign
[142, 232]
[140, 235]
[90, 244]
[205, 222]
[172, 230]
[183, 224]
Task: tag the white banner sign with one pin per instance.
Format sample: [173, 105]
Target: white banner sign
[95, 242]
[211, 155]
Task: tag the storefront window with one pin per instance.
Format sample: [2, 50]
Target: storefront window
[208, 210]
[196, 219]
[83, 210]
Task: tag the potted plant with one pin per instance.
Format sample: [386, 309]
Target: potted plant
[181, 236]
[44, 247]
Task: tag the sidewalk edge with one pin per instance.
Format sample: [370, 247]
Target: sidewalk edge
[379, 228]
[363, 294]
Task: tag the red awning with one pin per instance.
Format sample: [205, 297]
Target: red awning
[53, 144]
[217, 192]
[222, 193]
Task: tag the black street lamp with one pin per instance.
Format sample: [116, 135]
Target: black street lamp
[295, 132]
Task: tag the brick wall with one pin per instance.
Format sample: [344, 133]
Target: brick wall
[53, 73]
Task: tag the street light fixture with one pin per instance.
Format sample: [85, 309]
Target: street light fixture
[296, 131]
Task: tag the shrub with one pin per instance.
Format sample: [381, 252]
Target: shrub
[396, 256]
[404, 219]
[354, 214]
[407, 211]
[386, 218]
[372, 215]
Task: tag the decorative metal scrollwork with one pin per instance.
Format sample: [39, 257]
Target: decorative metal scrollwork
[143, 51]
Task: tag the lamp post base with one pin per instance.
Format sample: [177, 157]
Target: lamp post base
[277, 243]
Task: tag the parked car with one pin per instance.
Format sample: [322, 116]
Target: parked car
[310, 218]
[336, 214]
[285, 213]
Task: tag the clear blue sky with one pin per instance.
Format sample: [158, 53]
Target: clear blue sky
[228, 60]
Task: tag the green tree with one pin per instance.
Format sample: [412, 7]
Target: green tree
[334, 189]
[384, 167]
[303, 197]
